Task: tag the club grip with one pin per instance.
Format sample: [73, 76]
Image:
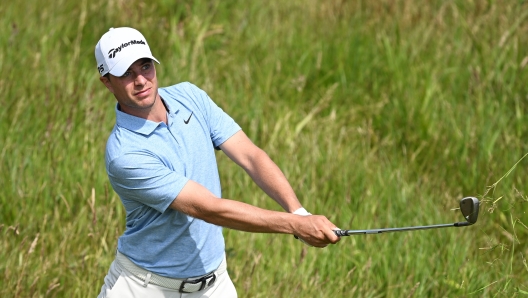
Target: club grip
[341, 233]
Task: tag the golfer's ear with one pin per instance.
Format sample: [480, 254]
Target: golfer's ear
[106, 82]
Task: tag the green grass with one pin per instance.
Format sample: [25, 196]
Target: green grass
[380, 113]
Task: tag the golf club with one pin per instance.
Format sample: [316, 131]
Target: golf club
[469, 206]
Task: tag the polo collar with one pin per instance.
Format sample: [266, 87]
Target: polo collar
[171, 105]
[137, 124]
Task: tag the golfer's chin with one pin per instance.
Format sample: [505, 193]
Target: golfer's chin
[144, 104]
[144, 100]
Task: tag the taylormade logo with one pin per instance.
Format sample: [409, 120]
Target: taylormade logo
[112, 53]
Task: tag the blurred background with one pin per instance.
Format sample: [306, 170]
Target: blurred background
[380, 113]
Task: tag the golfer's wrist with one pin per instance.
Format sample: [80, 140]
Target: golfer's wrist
[301, 211]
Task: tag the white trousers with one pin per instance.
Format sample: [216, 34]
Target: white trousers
[120, 283]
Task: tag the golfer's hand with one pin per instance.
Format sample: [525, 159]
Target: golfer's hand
[316, 230]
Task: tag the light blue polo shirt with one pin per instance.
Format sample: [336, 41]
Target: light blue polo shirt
[149, 163]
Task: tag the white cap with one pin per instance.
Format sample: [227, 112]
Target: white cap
[119, 48]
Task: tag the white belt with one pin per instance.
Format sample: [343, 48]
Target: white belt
[188, 285]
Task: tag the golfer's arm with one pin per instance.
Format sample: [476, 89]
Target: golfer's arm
[261, 169]
[197, 201]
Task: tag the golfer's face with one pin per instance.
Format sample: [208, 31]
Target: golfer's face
[137, 88]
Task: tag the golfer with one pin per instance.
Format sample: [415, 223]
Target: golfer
[160, 159]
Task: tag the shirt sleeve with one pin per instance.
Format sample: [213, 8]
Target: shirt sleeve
[221, 125]
[141, 177]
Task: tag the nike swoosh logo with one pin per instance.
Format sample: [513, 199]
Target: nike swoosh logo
[187, 122]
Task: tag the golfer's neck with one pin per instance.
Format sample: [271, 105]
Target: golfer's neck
[156, 113]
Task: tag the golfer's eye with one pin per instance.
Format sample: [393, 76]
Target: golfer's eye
[146, 66]
[126, 74]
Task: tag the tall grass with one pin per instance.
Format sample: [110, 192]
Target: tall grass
[380, 113]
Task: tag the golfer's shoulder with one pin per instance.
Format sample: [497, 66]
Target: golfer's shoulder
[122, 141]
[120, 160]
[186, 95]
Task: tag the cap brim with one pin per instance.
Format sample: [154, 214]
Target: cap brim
[121, 67]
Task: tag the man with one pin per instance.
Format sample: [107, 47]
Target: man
[160, 161]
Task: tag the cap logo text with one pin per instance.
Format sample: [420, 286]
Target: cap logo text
[112, 53]
[100, 68]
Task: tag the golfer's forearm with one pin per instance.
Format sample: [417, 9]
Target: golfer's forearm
[239, 216]
[261, 169]
[243, 217]
[272, 181]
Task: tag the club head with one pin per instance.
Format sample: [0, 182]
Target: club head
[470, 208]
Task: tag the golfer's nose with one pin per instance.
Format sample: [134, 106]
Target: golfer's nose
[140, 80]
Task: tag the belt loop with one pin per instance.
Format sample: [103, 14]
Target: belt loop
[147, 279]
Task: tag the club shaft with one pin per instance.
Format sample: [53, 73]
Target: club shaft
[402, 229]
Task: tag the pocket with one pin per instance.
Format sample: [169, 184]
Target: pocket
[117, 288]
